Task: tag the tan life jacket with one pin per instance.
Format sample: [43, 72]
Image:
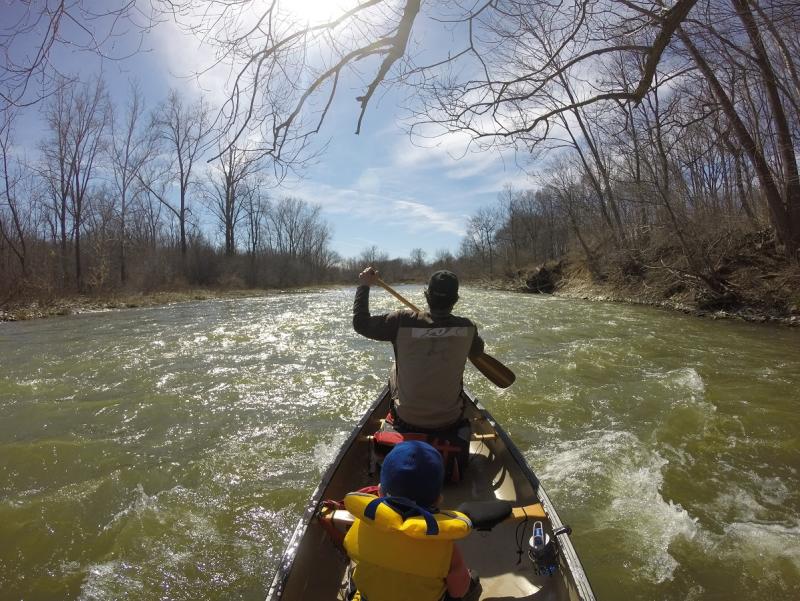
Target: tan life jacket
[426, 380]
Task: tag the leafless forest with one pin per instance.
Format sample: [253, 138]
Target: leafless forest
[662, 138]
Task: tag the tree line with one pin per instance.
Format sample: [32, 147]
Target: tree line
[701, 157]
[114, 197]
[653, 126]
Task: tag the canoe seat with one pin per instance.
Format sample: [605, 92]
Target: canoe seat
[453, 448]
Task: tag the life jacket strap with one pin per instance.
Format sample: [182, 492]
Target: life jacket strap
[406, 508]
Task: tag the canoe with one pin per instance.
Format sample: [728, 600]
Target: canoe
[313, 567]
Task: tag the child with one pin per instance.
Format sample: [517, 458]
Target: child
[402, 545]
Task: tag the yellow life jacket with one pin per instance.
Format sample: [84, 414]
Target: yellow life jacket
[399, 559]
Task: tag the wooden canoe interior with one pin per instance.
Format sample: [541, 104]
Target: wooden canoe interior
[318, 568]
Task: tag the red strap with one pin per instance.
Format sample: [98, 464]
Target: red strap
[389, 438]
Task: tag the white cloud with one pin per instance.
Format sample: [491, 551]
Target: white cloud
[369, 181]
[420, 216]
[403, 213]
[452, 154]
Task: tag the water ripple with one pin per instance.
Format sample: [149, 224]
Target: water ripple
[168, 452]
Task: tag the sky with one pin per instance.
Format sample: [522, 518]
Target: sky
[378, 188]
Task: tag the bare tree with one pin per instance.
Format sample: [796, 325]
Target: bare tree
[374, 256]
[229, 188]
[417, 257]
[778, 172]
[131, 148]
[77, 117]
[482, 229]
[12, 226]
[153, 200]
[532, 230]
[522, 72]
[256, 208]
[33, 35]
[91, 110]
[565, 185]
[57, 171]
[500, 97]
[298, 239]
[444, 258]
[286, 73]
[183, 131]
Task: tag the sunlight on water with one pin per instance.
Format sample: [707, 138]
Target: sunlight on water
[168, 452]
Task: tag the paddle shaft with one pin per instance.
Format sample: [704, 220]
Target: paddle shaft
[490, 367]
[398, 296]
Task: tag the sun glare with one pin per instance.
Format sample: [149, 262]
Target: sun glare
[315, 11]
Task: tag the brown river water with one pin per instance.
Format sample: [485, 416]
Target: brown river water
[167, 453]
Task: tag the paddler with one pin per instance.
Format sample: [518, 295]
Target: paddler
[431, 350]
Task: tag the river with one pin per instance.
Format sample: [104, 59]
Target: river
[167, 453]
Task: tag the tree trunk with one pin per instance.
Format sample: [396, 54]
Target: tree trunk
[782, 128]
[786, 223]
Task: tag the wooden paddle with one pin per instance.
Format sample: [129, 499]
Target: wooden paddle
[490, 367]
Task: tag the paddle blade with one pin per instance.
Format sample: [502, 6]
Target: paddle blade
[490, 367]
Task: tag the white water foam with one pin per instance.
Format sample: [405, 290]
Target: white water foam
[658, 521]
[618, 462]
[104, 580]
[141, 502]
[743, 506]
[761, 548]
[325, 451]
[193, 533]
[761, 541]
[688, 378]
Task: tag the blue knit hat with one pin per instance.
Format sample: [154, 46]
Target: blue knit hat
[413, 470]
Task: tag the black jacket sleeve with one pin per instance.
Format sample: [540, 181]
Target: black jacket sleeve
[375, 327]
[477, 345]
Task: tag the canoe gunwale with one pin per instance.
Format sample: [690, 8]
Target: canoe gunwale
[287, 559]
[567, 552]
[563, 539]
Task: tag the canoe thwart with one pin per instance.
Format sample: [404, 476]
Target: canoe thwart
[534, 510]
[485, 517]
[475, 437]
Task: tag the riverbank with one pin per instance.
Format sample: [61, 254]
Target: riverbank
[581, 289]
[760, 286]
[571, 282]
[750, 281]
[73, 305]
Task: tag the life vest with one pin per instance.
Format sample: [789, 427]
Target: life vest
[400, 559]
[427, 377]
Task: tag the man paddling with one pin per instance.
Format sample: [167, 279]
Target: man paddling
[430, 349]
